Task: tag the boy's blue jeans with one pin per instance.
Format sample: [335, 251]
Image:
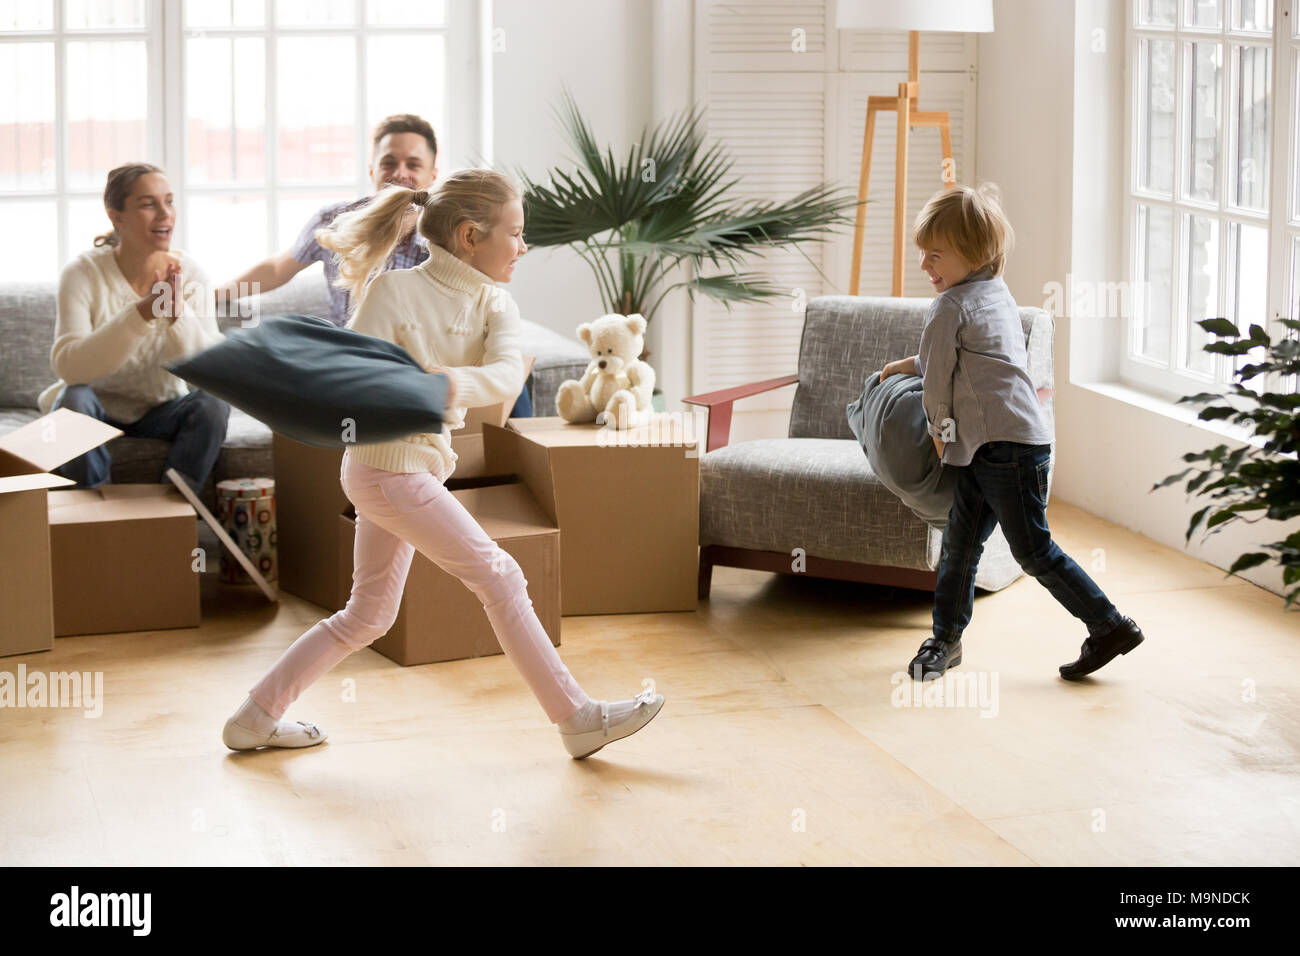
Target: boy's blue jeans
[1006, 484]
[195, 424]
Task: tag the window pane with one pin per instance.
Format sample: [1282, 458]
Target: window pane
[104, 14]
[296, 209]
[389, 62]
[224, 13]
[27, 116]
[1253, 15]
[29, 242]
[1201, 273]
[226, 234]
[1203, 13]
[316, 80]
[314, 13]
[1203, 78]
[1156, 116]
[86, 220]
[1154, 246]
[225, 109]
[407, 12]
[1251, 99]
[1247, 278]
[26, 14]
[1295, 143]
[107, 106]
[1158, 13]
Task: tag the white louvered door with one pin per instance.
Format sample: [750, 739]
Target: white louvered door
[786, 93]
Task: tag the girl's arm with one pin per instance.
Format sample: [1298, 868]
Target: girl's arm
[501, 376]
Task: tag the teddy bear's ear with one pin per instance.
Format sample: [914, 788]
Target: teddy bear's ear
[584, 333]
[636, 322]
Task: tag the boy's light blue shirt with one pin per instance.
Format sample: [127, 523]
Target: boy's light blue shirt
[974, 372]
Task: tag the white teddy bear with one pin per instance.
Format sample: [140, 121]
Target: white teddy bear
[617, 387]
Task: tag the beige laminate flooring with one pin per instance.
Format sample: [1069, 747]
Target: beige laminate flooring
[780, 742]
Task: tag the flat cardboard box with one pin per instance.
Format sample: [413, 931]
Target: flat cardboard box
[440, 619]
[123, 559]
[627, 505]
[309, 500]
[27, 455]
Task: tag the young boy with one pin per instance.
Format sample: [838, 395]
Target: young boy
[986, 420]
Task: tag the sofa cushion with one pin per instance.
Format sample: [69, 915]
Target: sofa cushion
[27, 334]
[889, 423]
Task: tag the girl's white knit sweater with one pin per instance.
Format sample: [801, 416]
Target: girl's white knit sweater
[444, 312]
[100, 339]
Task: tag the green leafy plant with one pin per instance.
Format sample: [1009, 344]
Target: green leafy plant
[1251, 479]
[669, 205]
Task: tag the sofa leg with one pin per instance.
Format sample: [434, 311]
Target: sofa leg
[706, 578]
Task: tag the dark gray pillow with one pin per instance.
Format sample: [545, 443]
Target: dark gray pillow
[305, 377]
[889, 422]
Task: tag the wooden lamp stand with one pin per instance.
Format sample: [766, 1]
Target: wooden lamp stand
[908, 115]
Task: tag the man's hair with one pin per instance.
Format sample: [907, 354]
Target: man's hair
[405, 123]
[971, 221]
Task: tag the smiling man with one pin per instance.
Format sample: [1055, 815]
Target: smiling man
[404, 150]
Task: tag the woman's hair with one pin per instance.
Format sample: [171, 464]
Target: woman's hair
[971, 221]
[120, 183]
[364, 238]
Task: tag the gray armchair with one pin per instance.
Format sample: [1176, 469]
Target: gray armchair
[814, 490]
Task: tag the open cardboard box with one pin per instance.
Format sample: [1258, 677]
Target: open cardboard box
[309, 500]
[123, 559]
[440, 619]
[33, 582]
[627, 505]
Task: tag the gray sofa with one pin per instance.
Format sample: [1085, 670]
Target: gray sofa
[27, 333]
[814, 490]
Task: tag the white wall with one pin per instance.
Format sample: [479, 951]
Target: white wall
[602, 51]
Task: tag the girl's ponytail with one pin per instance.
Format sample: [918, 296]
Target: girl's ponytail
[364, 238]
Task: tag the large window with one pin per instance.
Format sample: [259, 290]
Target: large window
[1214, 187]
[259, 110]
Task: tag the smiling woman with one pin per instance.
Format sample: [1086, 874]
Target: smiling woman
[123, 309]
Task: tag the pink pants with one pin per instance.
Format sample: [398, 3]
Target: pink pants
[398, 514]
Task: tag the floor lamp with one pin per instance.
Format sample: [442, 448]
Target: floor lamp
[951, 16]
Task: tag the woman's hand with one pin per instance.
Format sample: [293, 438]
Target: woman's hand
[164, 286]
[451, 384]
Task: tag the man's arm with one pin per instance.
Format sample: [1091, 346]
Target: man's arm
[266, 275]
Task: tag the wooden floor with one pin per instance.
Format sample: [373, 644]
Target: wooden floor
[781, 741]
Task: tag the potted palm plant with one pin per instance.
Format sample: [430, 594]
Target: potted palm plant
[666, 217]
[1251, 479]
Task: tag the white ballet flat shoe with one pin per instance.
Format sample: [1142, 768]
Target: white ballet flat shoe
[304, 734]
[586, 743]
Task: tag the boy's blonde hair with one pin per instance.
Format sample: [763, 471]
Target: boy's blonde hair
[364, 238]
[971, 221]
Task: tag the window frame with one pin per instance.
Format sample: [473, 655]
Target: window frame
[465, 139]
[1168, 379]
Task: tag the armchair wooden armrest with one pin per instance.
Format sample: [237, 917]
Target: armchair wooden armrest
[719, 405]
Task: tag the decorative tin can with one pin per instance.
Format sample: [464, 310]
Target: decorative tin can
[246, 509]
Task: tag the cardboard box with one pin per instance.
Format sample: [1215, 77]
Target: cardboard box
[27, 455]
[627, 505]
[440, 619]
[309, 500]
[123, 559]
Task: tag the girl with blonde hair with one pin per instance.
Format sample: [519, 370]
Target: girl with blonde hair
[450, 316]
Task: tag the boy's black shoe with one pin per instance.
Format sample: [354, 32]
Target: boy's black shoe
[935, 656]
[1100, 651]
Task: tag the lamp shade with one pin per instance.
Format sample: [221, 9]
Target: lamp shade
[952, 16]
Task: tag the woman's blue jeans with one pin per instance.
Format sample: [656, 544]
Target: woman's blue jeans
[1006, 484]
[195, 424]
